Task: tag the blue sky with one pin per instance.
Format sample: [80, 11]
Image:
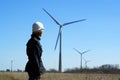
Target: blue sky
[99, 33]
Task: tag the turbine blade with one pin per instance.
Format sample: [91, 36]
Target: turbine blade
[57, 39]
[52, 17]
[77, 51]
[85, 51]
[73, 22]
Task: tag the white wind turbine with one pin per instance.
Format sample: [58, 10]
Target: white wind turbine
[59, 37]
[81, 55]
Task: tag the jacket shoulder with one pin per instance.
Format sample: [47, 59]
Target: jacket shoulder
[31, 42]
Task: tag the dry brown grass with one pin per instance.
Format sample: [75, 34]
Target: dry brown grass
[67, 76]
[13, 76]
[59, 76]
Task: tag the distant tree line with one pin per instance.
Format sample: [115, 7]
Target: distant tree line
[104, 69]
[8, 70]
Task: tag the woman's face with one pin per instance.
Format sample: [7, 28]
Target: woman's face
[40, 33]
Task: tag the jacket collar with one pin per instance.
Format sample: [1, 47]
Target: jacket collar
[35, 36]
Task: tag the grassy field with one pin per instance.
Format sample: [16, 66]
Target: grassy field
[59, 76]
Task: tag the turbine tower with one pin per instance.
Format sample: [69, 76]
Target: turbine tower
[60, 37]
[11, 65]
[81, 55]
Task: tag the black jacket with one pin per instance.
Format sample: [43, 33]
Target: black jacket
[34, 53]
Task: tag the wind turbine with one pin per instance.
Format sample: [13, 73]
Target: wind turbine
[60, 36]
[81, 55]
[86, 61]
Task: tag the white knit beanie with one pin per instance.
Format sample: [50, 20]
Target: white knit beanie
[37, 26]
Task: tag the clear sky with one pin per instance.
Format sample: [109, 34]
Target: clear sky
[99, 33]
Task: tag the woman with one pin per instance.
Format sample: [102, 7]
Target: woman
[34, 66]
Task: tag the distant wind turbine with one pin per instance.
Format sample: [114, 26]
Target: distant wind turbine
[86, 61]
[81, 55]
[60, 36]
